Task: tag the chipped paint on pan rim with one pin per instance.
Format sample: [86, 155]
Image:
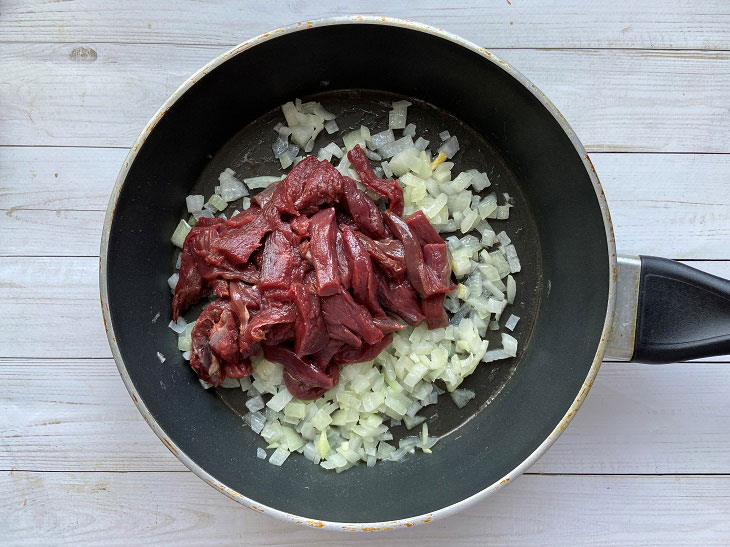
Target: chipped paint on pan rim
[418, 519]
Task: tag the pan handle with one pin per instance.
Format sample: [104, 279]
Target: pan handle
[667, 312]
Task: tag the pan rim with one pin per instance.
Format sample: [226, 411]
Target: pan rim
[444, 511]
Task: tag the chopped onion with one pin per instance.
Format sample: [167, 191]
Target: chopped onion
[509, 344]
[462, 396]
[397, 116]
[261, 453]
[511, 322]
[374, 156]
[285, 160]
[179, 326]
[421, 143]
[381, 139]
[511, 289]
[350, 423]
[388, 150]
[255, 403]
[353, 138]
[180, 233]
[161, 357]
[280, 145]
[194, 203]
[260, 182]
[172, 281]
[279, 456]
[450, 147]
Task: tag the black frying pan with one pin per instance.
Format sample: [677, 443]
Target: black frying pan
[567, 291]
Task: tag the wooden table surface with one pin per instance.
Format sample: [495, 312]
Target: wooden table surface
[646, 86]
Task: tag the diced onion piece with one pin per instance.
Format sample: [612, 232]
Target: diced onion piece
[292, 116]
[255, 404]
[509, 344]
[462, 396]
[450, 147]
[365, 133]
[180, 233]
[285, 160]
[374, 156]
[380, 139]
[511, 322]
[410, 129]
[280, 145]
[279, 401]
[397, 116]
[331, 127]
[333, 149]
[260, 453]
[421, 144]
[480, 181]
[444, 135]
[512, 259]
[260, 182]
[353, 138]
[400, 162]
[230, 383]
[322, 112]
[390, 149]
[256, 421]
[194, 203]
[471, 219]
[161, 357]
[279, 456]
[511, 289]
[217, 202]
[503, 212]
[172, 280]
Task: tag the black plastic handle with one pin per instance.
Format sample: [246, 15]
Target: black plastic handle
[682, 313]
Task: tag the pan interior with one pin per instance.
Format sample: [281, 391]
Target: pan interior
[225, 120]
[249, 153]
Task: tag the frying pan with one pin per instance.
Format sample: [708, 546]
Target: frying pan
[578, 301]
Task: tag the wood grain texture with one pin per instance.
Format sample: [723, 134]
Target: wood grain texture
[63, 178]
[50, 233]
[150, 508]
[650, 76]
[623, 100]
[76, 415]
[65, 296]
[666, 24]
[661, 204]
[65, 290]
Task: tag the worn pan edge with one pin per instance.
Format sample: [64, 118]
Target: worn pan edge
[359, 526]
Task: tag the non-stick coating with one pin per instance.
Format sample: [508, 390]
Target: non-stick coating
[505, 130]
[249, 153]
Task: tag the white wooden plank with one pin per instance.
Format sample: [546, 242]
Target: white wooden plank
[58, 178]
[623, 100]
[545, 23]
[64, 290]
[76, 415]
[51, 308]
[50, 233]
[179, 509]
[674, 205]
